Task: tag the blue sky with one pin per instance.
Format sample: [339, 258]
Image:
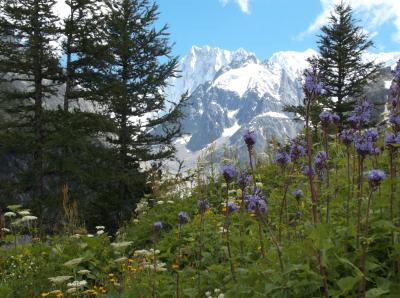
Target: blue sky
[267, 26]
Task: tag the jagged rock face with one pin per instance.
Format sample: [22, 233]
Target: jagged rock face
[232, 91]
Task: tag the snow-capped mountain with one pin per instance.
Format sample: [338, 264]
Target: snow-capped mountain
[231, 91]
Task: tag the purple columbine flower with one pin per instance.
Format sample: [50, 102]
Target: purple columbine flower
[243, 180]
[183, 217]
[297, 194]
[282, 158]
[231, 207]
[347, 137]
[312, 84]
[392, 139]
[158, 226]
[375, 178]
[250, 138]
[203, 205]
[229, 173]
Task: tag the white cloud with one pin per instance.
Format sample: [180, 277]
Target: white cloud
[243, 4]
[374, 14]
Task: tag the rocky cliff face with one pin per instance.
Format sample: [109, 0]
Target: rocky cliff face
[233, 91]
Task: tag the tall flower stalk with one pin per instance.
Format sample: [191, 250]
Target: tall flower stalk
[182, 219]
[202, 205]
[157, 230]
[375, 178]
[312, 89]
[243, 182]
[229, 174]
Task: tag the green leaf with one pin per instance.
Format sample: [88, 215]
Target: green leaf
[376, 292]
[347, 283]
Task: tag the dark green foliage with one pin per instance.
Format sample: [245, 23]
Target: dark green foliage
[345, 75]
[27, 29]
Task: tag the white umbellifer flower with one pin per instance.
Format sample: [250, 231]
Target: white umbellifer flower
[71, 290]
[100, 232]
[76, 236]
[120, 260]
[28, 218]
[83, 271]
[221, 295]
[121, 245]
[10, 214]
[222, 230]
[259, 185]
[14, 207]
[160, 267]
[5, 230]
[73, 262]
[100, 227]
[208, 294]
[216, 291]
[160, 202]
[136, 220]
[24, 212]
[170, 202]
[142, 252]
[90, 235]
[60, 279]
[77, 284]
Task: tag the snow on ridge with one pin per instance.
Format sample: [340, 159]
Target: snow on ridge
[230, 131]
[273, 115]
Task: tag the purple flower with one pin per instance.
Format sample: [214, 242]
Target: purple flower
[312, 84]
[395, 121]
[347, 137]
[325, 118]
[361, 114]
[392, 139]
[203, 205]
[396, 71]
[243, 180]
[320, 159]
[297, 194]
[255, 202]
[231, 207]
[335, 118]
[375, 178]
[158, 226]
[229, 173]
[282, 158]
[306, 171]
[364, 144]
[297, 151]
[371, 135]
[183, 217]
[250, 138]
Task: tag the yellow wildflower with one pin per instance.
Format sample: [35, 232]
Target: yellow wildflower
[45, 294]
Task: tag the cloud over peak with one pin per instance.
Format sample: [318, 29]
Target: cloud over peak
[243, 5]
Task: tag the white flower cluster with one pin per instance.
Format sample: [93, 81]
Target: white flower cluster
[100, 230]
[160, 266]
[142, 206]
[216, 292]
[145, 253]
[59, 279]
[121, 245]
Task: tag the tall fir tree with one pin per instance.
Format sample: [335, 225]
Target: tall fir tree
[127, 80]
[345, 74]
[28, 29]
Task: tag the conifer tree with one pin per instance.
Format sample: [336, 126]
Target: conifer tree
[128, 77]
[341, 45]
[28, 30]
